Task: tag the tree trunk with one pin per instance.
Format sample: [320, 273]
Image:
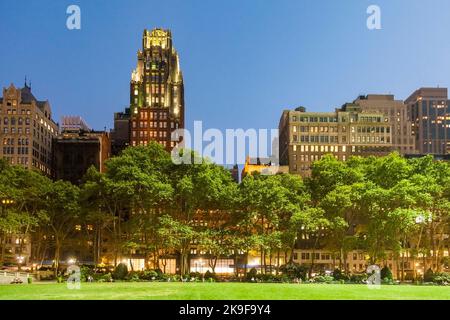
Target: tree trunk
[246, 263]
[313, 257]
[278, 261]
[57, 253]
[2, 257]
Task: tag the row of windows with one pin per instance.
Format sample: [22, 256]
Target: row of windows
[322, 139]
[308, 148]
[370, 139]
[314, 119]
[316, 129]
[324, 256]
[15, 111]
[15, 130]
[17, 160]
[364, 129]
[161, 142]
[20, 121]
[11, 150]
[370, 119]
[11, 141]
[151, 124]
[151, 134]
[153, 115]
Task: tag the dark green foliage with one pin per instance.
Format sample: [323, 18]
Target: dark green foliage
[294, 270]
[251, 274]
[323, 279]
[358, 278]
[386, 274]
[428, 276]
[209, 275]
[441, 278]
[120, 272]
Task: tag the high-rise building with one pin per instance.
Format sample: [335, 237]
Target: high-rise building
[402, 134]
[26, 129]
[73, 123]
[156, 91]
[306, 137]
[120, 135]
[234, 171]
[78, 148]
[429, 109]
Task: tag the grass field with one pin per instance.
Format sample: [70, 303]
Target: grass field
[220, 291]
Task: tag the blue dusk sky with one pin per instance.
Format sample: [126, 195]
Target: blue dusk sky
[243, 61]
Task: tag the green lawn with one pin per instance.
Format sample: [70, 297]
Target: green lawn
[222, 291]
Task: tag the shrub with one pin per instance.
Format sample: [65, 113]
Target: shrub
[386, 274]
[441, 278]
[358, 278]
[120, 272]
[294, 270]
[135, 277]
[323, 279]
[164, 277]
[175, 278]
[428, 276]
[159, 272]
[106, 277]
[86, 272]
[30, 280]
[149, 275]
[339, 275]
[195, 275]
[209, 275]
[251, 275]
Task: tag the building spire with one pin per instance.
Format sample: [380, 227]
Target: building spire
[27, 85]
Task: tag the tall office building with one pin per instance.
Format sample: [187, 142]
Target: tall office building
[77, 148]
[120, 135]
[26, 129]
[306, 137]
[402, 132]
[429, 108]
[156, 91]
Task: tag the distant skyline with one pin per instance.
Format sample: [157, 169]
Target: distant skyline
[243, 62]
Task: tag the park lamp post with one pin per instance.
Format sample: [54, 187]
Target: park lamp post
[5, 203]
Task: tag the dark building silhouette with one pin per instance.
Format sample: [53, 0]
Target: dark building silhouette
[75, 150]
[120, 135]
[429, 109]
[235, 173]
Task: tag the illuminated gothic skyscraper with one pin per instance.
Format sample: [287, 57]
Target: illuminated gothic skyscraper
[156, 91]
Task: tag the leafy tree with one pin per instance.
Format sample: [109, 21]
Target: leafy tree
[63, 209]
